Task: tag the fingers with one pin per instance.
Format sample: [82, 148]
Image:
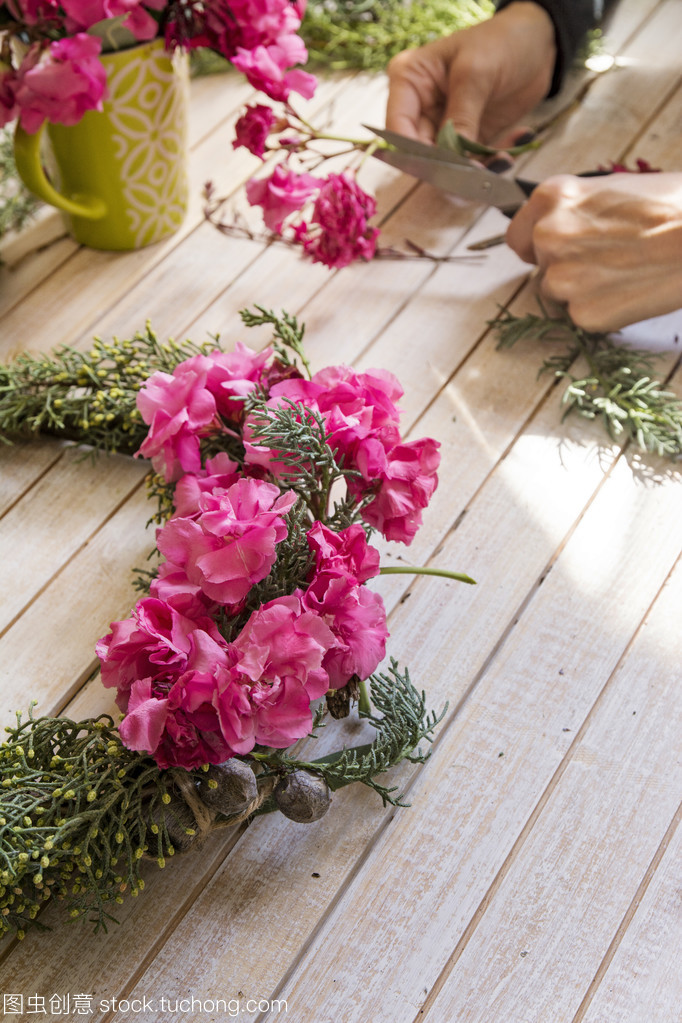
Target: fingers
[542, 226]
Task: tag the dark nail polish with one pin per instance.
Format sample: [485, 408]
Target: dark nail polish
[524, 138]
[499, 164]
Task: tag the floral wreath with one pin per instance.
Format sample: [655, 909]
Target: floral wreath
[254, 623]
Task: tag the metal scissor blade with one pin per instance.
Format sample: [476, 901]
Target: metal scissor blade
[415, 148]
[468, 182]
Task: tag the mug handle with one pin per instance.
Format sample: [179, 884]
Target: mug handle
[30, 169]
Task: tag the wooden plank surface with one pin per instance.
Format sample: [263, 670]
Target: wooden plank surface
[535, 877]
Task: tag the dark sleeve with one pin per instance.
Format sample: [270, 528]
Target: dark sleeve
[572, 19]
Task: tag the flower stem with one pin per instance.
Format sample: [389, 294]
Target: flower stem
[364, 704]
[410, 570]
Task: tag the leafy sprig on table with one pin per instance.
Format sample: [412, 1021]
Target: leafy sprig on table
[620, 387]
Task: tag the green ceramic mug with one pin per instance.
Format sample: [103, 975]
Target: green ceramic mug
[120, 174]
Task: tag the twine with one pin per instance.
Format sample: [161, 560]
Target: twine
[206, 818]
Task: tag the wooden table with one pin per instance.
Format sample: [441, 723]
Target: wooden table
[536, 876]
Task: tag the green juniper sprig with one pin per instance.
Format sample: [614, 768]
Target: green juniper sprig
[404, 723]
[620, 387]
[87, 396]
[77, 812]
[287, 334]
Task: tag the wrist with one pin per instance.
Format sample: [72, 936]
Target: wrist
[532, 17]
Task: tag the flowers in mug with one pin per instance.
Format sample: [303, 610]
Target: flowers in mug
[59, 76]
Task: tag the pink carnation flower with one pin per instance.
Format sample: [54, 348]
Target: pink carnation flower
[234, 375]
[179, 409]
[232, 543]
[404, 490]
[81, 14]
[340, 231]
[9, 108]
[357, 618]
[346, 553]
[359, 411]
[281, 194]
[269, 68]
[179, 727]
[253, 127]
[159, 643]
[219, 473]
[279, 653]
[60, 83]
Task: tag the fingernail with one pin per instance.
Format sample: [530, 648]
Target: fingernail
[499, 164]
[525, 138]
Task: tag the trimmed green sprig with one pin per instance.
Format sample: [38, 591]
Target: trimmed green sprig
[620, 387]
[404, 723]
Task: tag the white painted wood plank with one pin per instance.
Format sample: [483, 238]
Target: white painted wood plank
[643, 981]
[41, 533]
[547, 927]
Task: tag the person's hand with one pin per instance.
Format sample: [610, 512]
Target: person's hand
[483, 78]
[609, 248]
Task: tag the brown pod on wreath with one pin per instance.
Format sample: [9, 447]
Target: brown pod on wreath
[302, 796]
[228, 788]
[179, 822]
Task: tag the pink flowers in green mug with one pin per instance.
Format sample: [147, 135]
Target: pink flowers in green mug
[59, 76]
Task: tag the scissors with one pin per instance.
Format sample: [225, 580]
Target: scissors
[453, 172]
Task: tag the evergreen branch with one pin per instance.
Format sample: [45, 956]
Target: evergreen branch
[403, 725]
[87, 396]
[365, 34]
[620, 387]
[287, 333]
[77, 814]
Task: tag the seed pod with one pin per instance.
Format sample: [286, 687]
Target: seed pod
[236, 787]
[338, 700]
[302, 796]
[177, 818]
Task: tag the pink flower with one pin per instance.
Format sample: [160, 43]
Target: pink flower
[179, 728]
[280, 195]
[219, 473]
[279, 653]
[357, 618]
[232, 543]
[61, 83]
[266, 67]
[345, 553]
[358, 409]
[405, 488]
[253, 128]
[340, 231]
[179, 409]
[157, 643]
[9, 109]
[234, 375]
